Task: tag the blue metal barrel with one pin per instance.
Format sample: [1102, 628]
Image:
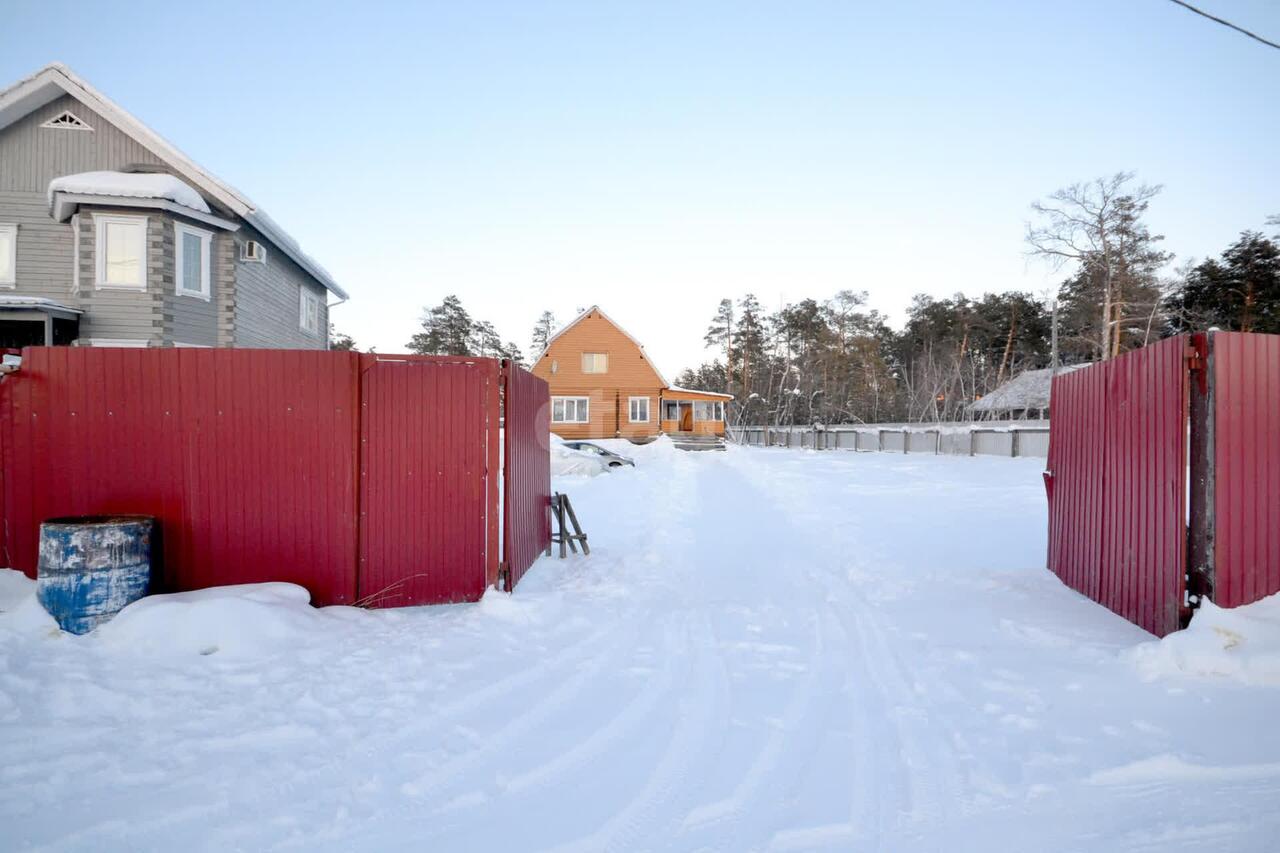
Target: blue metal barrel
[92, 566]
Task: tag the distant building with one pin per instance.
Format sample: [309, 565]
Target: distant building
[1023, 397]
[603, 385]
[110, 236]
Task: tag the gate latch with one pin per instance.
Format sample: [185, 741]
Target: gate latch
[1194, 361]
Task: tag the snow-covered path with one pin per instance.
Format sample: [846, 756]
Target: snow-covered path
[767, 649]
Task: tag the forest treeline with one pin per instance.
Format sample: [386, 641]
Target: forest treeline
[835, 360]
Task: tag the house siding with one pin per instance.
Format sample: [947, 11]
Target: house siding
[125, 314]
[629, 374]
[267, 298]
[31, 156]
[189, 319]
[44, 247]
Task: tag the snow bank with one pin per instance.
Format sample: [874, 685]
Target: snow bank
[20, 612]
[129, 185]
[235, 621]
[1241, 643]
[248, 620]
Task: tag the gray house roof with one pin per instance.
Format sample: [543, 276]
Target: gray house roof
[54, 81]
[1027, 390]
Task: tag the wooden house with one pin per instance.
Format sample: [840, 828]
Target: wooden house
[603, 385]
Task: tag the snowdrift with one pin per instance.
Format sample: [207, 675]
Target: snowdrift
[1242, 644]
[247, 620]
[235, 621]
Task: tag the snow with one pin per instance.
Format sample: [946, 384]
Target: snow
[568, 462]
[1027, 390]
[129, 185]
[231, 621]
[12, 301]
[767, 649]
[1241, 644]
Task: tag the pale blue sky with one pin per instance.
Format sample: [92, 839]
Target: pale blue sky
[655, 157]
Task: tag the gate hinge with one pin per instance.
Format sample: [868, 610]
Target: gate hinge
[1194, 361]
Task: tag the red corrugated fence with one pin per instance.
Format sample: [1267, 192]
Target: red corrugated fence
[1130, 439]
[359, 477]
[527, 471]
[1117, 483]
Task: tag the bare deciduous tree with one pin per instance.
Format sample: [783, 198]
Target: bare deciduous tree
[1097, 226]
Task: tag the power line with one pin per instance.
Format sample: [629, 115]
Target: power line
[1205, 14]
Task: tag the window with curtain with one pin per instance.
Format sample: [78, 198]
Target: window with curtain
[570, 410]
[309, 312]
[595, 362]
[639, 410]
[121, 251]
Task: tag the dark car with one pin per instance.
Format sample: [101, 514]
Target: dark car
[613, 460]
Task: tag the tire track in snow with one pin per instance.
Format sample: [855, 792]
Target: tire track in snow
[522, 720]
[633, 827]
[632, 716]
[766, 768]
[884, 788]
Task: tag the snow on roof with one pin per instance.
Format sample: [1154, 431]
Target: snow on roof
[680, 390]
[7, 301]
[1027, 390]
[130, 185]
[576, 320]
[54, 80]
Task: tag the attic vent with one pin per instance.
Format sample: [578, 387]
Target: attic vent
[253, 251]
[67, 120]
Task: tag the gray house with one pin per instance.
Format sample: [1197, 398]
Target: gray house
[110, 236]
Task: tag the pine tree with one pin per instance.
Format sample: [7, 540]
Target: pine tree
[511, 351]
[542, 332]
[446, 330]
[1240, 291]
[720, 334]
[339, 341]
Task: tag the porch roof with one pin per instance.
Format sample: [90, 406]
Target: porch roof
[674, 393]
[38, 305]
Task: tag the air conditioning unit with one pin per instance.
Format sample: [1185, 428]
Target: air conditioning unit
[253, 251]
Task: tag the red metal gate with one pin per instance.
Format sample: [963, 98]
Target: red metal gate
[1240, 561]
[1116, 481]
[428, 487]
[526, 471]
[360, 477]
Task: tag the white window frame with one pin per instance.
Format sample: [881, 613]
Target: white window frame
[717, 410]
[11, 281]
[631, 410]
[582, 410]
[181, 229]
[101, 221]
[75, 252]
[594, 357]
[305, 296]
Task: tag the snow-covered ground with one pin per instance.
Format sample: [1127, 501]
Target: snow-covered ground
[766, 650]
